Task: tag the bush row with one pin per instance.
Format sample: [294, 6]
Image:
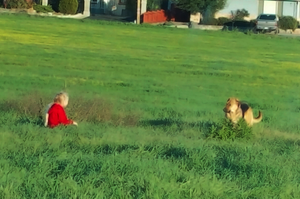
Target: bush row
[288, 22]
[285, 23]
[19, 4]
[222, 20]
[42, 9]
[63, 6]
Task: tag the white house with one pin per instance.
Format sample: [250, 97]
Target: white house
[256, 7]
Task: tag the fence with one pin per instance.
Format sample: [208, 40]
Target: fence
[156, 16]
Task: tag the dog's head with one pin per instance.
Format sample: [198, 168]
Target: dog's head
[232, 105]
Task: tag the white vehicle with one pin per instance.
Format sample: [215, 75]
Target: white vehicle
[267, 23]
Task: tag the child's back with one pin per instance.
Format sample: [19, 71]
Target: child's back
[57, 116]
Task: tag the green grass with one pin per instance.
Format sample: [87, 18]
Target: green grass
[174, 82]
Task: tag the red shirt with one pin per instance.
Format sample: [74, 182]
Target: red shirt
[57, 116]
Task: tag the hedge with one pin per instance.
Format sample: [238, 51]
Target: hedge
[288, 22]
[68, 6]
[222, 20]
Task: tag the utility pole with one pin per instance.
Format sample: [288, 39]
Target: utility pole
[138, 16]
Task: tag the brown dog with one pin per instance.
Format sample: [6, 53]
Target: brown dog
[235, 110]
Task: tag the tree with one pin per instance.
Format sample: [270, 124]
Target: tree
[239, 14]
[207, 8]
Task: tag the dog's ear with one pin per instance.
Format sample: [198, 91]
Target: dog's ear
[228, 99]
[238, 102]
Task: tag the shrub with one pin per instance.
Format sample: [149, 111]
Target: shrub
[68, 6]
[153, 5]
[30, 3]
[211, 21]
[240, 26]
[222, 20]
[253, 21]
[42, 9]
[240, 23]
[54, 4]
[226, 131]
[288, 22]
[239, 14]
[17, 4]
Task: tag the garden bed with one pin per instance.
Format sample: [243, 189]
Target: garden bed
[31, 11]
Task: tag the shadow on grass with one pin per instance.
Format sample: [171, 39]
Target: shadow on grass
[159, 122]
[228, 167]
[203, 126]
[175, 152]
[27, 120]
[164, 151]
[111, 149]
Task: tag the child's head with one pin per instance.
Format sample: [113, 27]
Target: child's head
[61, 98]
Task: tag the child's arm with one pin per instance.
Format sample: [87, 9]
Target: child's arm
[46, 119]
[46, 114]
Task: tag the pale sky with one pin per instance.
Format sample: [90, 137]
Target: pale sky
[250, 5]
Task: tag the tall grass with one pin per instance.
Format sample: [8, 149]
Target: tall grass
[146, 99]
[97, 110]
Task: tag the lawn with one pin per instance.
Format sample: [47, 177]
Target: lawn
[145, 98]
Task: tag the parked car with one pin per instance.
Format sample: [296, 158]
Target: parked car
[267, 23]
[239, 25]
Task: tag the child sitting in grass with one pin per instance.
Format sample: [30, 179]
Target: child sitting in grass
[56, 114]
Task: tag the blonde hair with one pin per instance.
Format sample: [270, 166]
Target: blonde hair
[61, 97]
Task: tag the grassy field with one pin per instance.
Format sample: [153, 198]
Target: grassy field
[145, 99]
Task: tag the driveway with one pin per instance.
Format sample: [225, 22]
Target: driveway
[286, 34]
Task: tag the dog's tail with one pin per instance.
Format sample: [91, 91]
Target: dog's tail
[259, 118]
